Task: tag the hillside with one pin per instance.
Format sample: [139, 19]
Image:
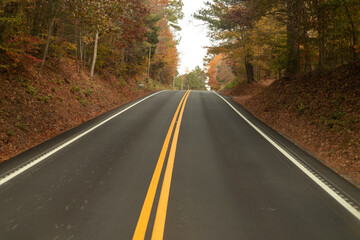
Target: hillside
[320, 111]
[115, 44]
[35, 108]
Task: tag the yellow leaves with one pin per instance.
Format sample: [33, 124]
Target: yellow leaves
[258, 41]
[87, 39]
[268, 29]
[266, 35]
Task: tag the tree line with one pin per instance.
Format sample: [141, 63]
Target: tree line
[264, 38]
[195, 80]
[117, 36]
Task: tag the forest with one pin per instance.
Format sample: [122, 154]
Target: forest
[64, 62]
[256, 39]
[121, 37]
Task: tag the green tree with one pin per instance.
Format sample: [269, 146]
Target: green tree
[180, 82]
[196, 79]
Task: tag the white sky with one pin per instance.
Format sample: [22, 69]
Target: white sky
[193, 38]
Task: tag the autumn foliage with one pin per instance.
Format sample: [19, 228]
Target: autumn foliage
[109, 36]
[49, 49]
[166, 59]
[272, 38]
[219, 72]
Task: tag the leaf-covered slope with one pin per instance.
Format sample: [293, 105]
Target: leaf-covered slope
[320, 111]
[34, 109]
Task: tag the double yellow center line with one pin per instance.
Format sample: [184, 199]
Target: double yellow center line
[159, 224]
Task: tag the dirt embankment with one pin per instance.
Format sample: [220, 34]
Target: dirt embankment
[36, 108]
[321, 112]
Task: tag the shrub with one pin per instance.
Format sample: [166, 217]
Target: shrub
[31, 90]
[74, 89]
[88, 92]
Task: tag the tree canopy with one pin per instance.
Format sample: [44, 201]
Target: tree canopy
[111, 36]
[196, 79]
[268, 37]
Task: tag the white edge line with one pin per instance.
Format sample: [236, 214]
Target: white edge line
[43, 157]
[326, 188]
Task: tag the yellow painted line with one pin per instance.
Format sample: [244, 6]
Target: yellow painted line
[143, 221]
[159, 225]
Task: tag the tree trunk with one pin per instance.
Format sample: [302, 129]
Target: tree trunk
[95, 54]
[249, 70]
[149, 65]
[77, 50]
[80, 50]
[293, 58]
[62, 34]
[51, 25]
[353, 31]
[321, 50]
[85, 56]
[37, 18]
[307, 55]
[321, 39]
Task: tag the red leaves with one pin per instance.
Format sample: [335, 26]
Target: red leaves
[22, 46]
[34, 59]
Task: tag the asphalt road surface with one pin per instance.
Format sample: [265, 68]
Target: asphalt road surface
[174, 165]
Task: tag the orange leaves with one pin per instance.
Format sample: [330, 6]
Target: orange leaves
[219, 72]
[166, 58]
[212, 71]
[357, 48]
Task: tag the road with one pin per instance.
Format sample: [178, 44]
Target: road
[177, 165]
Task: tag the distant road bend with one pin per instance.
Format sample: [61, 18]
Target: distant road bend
[174, 165]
